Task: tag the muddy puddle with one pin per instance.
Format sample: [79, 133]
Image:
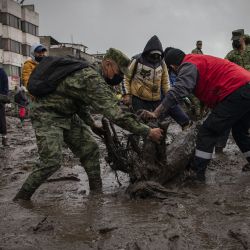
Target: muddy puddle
[62, 214]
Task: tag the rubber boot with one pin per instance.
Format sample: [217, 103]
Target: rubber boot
[22, 195]
[198, 167]
[95, 184]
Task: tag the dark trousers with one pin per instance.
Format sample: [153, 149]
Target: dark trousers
[3, 128]
[233, 112]
[222, 141]
[175, 112]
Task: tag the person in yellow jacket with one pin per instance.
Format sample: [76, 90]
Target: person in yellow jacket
[38, 51]
[148, 82]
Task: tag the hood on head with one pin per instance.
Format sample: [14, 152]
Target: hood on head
[153, 43]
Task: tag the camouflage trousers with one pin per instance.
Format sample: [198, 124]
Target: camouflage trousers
[50, 140]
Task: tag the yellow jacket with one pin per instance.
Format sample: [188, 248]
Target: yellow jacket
[28, 67]
[145, 82]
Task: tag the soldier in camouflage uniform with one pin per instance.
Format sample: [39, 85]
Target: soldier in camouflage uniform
[197, 106]
[53, 123]
[241, 56]
[241, 49]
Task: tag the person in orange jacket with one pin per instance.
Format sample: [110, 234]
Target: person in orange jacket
[38, 51]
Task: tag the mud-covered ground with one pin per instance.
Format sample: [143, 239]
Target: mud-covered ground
[63, 216]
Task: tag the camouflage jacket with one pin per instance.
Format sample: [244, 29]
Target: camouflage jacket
[241, 58]
[75, 95]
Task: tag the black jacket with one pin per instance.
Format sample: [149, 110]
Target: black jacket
[4, 83]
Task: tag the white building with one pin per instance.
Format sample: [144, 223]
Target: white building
[18, 31]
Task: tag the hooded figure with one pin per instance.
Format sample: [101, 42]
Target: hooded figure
[153, 53]
[37, 52]
[148, 82]
[148, 76]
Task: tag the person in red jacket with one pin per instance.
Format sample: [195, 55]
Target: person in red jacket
[222, 86]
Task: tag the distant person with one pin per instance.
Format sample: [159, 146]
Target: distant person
[198, 48]
[148, 82]
[4, 91]
[241, 56]
[37, 52]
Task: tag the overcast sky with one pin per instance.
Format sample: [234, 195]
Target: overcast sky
[128, 24]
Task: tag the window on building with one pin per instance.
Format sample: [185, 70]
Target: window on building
[12, 70]
[10, 20]
[26, 50]
[11, 45]
[29, 28]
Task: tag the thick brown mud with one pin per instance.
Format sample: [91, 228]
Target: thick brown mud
[62, 215]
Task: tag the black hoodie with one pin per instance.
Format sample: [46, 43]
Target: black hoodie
[153, 43]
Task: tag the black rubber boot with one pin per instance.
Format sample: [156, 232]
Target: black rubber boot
[198, 169]
[22, 195]
[95, 184]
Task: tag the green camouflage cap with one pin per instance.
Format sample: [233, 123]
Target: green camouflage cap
[118, 57]
[237, 34]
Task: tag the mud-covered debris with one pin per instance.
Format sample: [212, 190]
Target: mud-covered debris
[219, 202]
[64, 178]
[106, 230]
[147, 189]
[43, 226]
[241, 238]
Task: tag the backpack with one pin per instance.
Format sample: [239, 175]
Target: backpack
[136, 58]
[50, 72]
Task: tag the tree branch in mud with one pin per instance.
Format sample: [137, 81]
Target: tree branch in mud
[149, 165]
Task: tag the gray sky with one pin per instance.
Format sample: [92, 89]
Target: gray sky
[128, 24]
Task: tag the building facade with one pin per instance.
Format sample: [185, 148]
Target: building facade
[60, 49]
[18, 31]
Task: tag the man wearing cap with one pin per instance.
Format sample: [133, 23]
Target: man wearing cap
[222, 86]
[241, 51]
[75, 94]
[198, 48]
[37, 53]
[241, 56]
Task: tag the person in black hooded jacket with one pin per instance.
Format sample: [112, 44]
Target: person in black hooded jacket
[148, 82]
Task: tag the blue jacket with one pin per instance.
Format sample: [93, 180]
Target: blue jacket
[4, 84]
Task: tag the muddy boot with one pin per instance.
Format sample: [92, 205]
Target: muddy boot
[246, 168]
[5, 141]
[198, 169]
[95, 184]
[22, 195]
